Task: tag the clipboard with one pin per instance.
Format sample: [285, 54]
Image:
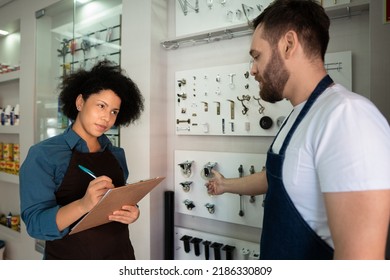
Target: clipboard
[113, 200]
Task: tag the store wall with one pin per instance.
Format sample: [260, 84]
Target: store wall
[144, 26]
[353, 34]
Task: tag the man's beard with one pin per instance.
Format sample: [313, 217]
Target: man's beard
[275, 79]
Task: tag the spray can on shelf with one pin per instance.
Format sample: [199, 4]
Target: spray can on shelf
[7, 115]
[2, 116]
[9, 218]
[16, 114]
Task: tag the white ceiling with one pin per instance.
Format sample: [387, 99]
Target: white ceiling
[5, 2]
[10, 26]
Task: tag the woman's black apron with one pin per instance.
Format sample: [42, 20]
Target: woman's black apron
[285, 234]
[108, 241]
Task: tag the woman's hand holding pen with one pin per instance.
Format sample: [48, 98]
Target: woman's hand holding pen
[95, 191]
[70, 213]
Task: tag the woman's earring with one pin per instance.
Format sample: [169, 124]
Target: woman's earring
[78, 108]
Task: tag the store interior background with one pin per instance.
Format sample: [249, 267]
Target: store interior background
[151, 143]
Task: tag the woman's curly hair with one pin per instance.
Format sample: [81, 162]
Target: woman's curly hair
[105, 75]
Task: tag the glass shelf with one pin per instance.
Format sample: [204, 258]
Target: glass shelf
[10, 76]
[9, 129]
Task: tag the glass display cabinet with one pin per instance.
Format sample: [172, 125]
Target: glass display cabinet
[72, 35]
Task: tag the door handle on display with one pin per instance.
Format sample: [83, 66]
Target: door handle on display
[186, 240]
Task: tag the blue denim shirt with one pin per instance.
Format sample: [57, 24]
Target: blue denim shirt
[41, 174]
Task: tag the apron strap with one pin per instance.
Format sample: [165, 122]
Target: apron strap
[319, 89]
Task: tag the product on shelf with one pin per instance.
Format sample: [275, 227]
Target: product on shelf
[8, 152]
[10, 221]
[10, 115]
[9, 158]
[6, 68]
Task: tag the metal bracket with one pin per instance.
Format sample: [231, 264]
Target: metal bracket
[231, 109]
[242, 99]
[182, 95]
[206, 106]
[218, 107]
[262, 108]
[231, 83]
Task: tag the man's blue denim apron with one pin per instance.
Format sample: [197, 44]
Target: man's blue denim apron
[285, 234]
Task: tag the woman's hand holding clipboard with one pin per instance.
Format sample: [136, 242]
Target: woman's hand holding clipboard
[113, 200]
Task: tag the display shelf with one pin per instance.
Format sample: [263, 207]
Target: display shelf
[210, 36]
[10, 76]
[9, 129]
[348, 10]
[10, 178]
[215, 35]
[9, 231]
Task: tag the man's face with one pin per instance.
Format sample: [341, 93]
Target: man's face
[268, 68]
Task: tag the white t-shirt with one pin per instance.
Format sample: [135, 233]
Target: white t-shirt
[342, 144]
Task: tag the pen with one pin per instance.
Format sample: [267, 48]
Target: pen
[86, 170]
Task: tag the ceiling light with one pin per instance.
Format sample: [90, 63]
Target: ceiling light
[3, 32]
[83, 1]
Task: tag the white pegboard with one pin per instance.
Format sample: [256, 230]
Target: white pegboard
[193, 16]
[204, 100]
[243, 250]
[227, 207]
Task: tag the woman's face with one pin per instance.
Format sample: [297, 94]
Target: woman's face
[97, 114]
